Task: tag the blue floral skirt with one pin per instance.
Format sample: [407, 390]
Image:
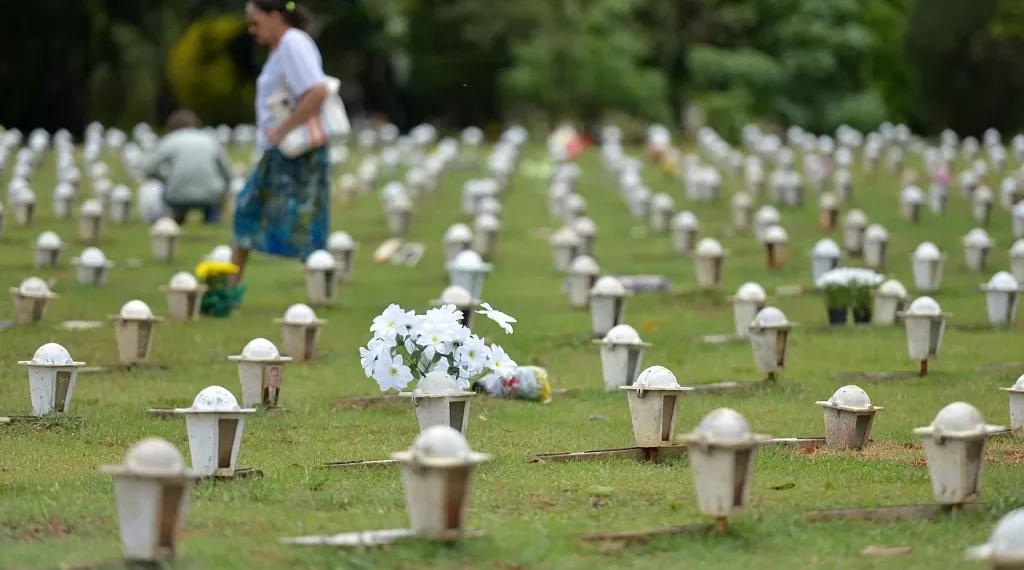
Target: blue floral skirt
[284, 208]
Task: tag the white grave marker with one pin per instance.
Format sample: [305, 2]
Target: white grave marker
[51, 377]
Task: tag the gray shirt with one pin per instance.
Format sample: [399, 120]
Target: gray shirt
[193, 166]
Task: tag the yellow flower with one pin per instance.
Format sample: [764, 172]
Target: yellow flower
[543, 387]
[223, 268]
[208, 269]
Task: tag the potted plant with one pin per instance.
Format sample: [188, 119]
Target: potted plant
[862, 283]
[837, 302]
[861, 301]
[221, 297]
[848, 288]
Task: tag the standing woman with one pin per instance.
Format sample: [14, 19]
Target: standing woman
[283, 209]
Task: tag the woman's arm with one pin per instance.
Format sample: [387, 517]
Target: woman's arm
[307, 108]
[302, 68]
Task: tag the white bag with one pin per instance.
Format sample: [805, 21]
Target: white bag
[330, 126]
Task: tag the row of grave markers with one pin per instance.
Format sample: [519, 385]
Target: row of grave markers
[721, 432]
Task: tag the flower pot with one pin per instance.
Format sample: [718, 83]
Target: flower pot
[861, 315]
[837, 316]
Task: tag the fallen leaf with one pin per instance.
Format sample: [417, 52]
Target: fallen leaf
[875, 550]
[597, 418]
[598, 502]
[649, 326]
[783, 486]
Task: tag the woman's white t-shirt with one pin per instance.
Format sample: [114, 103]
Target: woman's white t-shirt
[297, 64]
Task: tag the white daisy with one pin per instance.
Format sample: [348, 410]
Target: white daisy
[503, 320]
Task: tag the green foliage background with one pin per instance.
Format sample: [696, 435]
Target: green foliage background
[819, 63]
[203, 74]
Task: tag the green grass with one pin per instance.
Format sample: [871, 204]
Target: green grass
[55, 507]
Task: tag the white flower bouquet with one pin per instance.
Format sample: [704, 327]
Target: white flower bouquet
[850, 277]
[406, 347]
[848, 288]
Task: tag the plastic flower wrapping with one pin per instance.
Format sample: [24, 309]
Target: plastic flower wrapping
[526, 383]
[406, 347]
[850, 277]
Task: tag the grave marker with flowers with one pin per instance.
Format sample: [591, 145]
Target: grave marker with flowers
[444, 359]
[406, 347]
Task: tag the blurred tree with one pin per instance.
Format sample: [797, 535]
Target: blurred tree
[885, 67]
[968, 72]
[451, 79]
[50, 47]
[211, 70]
[583, 58]
[663, 23]
[935, 63]
[795, 61]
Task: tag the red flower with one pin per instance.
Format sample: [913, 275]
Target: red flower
[509, 385]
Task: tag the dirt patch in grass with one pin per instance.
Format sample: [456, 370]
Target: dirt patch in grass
[53, 528]
[909, 453]
[364, 402]
[1004, 452]
[541, 501]
[999, 451]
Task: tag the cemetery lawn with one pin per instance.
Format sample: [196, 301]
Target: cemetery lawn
[55, 508]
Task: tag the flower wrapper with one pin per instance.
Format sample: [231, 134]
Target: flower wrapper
[528, 383]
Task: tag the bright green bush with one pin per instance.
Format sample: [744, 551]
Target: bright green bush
[204, 71]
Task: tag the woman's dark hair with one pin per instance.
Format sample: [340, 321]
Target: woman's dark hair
[183, 119]
[295, 15]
